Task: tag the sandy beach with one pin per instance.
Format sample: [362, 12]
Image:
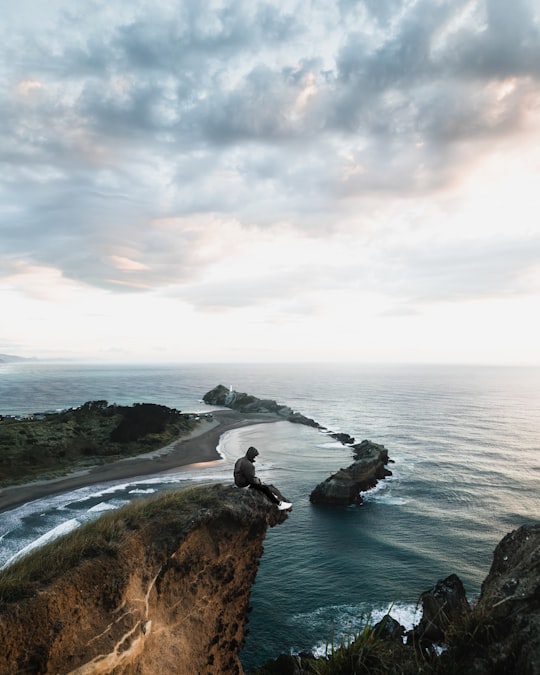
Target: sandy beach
[199, 446]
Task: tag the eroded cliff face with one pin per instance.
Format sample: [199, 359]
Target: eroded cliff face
[166, 592]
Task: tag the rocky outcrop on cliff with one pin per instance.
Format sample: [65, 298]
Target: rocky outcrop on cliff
[498, 635]
[161, 586]
[345, 486]
[509, 605]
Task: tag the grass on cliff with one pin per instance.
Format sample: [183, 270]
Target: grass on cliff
[49, 445]
[367, 653]
[176, 511]
[363, 653]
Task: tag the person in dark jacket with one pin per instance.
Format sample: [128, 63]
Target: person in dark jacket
[244, 476]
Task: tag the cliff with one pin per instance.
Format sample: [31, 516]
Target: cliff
[160, 586]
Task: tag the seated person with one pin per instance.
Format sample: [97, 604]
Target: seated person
[244, 476]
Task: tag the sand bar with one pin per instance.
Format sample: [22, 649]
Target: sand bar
[199, 446]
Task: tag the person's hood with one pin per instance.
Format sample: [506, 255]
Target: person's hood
[252, 453]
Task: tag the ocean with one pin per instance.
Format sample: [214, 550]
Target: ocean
[465, 448]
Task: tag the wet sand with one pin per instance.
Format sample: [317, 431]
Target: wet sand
[199, 446]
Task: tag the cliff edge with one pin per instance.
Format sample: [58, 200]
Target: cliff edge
[161, 585]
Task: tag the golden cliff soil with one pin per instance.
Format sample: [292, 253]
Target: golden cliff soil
[161, 586]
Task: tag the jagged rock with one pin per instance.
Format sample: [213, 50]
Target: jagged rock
[161, 586]
[441, 605]
[247, 403]
[344, 487]
[365, 449]
[344, 439]
[389, 628]
[510, 603]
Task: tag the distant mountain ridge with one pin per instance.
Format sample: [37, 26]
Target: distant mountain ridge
[10, 358]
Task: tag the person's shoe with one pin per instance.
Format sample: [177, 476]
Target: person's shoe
[283, 506]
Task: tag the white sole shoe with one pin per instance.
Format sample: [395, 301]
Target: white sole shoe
[283, 506]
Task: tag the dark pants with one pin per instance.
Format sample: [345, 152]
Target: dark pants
[261, 487]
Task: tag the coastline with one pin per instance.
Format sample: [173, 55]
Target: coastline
[199, 446]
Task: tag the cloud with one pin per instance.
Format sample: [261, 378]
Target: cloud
[471, 271]
[132, 136]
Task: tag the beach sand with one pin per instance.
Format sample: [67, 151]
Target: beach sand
[199, 446]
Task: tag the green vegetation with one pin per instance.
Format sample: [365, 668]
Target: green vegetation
[48, 445]
[176, 511]
[367, 652]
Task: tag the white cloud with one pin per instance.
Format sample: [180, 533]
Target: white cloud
[269, 173]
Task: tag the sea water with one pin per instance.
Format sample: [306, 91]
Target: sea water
[465, 449]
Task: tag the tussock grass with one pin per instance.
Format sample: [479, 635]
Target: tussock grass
[359, 653]
[161, 521]
[53, 444]
[365, 652]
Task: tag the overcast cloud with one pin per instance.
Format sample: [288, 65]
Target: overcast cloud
[285, 157]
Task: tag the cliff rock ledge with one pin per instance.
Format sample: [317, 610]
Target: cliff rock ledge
[160, 586]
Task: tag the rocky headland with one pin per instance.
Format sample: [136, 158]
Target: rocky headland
[346, 485]
[160, 586]
[343, 487]
[50, 444]
[163, 586]
[499, 634]
[247, 403]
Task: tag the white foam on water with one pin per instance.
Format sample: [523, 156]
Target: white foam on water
[58, 531]
[334, 444]
[102, 506]
[383, 493]
[340, 623]
[140, 491]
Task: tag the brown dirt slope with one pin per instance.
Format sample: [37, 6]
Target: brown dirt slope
[160, 586]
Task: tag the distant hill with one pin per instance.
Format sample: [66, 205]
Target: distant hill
[9, 358]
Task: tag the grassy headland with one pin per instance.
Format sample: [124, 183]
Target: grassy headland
[52, 444]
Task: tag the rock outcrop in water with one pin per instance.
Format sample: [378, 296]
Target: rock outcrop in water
[246, 403]
[344, 486]
[161, 586]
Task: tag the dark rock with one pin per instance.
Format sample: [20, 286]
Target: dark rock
[345, 439]
[367, 448]
[247, 403]
[345, 486]
[441, 605]
[510, 601]
[389, 629]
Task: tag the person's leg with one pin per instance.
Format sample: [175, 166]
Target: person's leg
[265, 490]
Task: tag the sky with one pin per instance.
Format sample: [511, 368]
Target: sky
[252, 181]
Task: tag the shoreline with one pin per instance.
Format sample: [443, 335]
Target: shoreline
[200, 446]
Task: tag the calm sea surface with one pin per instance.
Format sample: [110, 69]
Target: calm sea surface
[465, 442]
